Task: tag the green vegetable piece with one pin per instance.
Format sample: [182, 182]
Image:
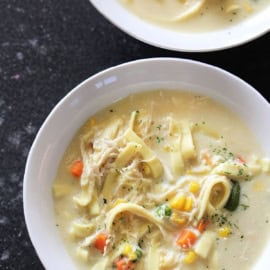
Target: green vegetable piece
[164, 211]
[234, 198]
[138, 253]
[168, 211]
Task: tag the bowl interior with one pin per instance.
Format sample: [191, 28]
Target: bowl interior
[161, 37]
[98, 92]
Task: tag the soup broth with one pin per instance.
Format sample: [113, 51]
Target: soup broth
[195, 15]
[163, 180]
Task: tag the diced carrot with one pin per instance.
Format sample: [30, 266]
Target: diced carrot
[203, 223]
[76, 168]
[241, 159]
[207, 159]
[124, 264]
[100, 241]
[186, 238]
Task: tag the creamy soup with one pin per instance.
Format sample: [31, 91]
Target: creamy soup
[163, 180]
[195, 15]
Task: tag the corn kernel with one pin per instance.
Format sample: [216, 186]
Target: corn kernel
[188, 204]
[190, 257]
[127, 250]
[194, 187]
[178, 202]
[132, 256]
[178, 220]
[118, 201]
[224, 231]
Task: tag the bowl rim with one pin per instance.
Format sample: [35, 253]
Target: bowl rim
[38, 139]
[220, 39]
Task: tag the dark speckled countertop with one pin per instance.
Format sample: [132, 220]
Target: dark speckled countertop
[47, 48]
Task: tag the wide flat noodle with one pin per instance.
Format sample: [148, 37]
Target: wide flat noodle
[177, 161]
[166, 11]
[138, 211]
[148, 155]
[214, 194]
[187, 145]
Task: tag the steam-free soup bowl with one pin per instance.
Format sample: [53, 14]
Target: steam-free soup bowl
[101, 90]
[195, 41]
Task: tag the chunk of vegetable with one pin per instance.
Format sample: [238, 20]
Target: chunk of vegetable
[190, 257]
[134, 254]
[178, 202]
[127, 249]
[124, 264]
[203, 223]
[205, 244]
[138, 253]
[234, 198]
[181, 202]
[76, 168]
[164, 211]
[100, 241]
[186, 238]
[194, 187]
[241, 159]
[188, 204]
[224, 232]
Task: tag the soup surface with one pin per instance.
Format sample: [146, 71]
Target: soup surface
[163, 180]
[195, 15]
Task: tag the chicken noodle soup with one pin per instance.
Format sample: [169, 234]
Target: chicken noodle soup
[195, 15]
[163, 180]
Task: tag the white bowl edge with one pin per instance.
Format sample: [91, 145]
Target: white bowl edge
[180, 41]
[105, 87]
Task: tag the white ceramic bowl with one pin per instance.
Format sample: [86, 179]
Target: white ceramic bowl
[101, 90]
[237, 34]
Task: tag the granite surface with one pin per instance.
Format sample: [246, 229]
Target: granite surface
[47, 48]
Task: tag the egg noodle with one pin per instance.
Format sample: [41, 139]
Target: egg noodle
[138, 211]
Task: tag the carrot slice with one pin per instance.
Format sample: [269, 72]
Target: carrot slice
[203, 223]
[241, 159]
[100, 242]
[124, 264]
[186, 238]
[207, 159]
[76, 168]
